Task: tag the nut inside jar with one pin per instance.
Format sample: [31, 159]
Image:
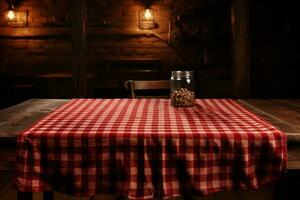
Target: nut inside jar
[183, 97]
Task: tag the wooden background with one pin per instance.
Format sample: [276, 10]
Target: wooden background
[236, 48]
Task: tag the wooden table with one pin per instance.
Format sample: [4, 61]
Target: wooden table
[283, 113]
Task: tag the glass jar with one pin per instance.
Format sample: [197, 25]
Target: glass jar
[182, 85]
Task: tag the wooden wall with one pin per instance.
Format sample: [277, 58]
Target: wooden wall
[192, 34]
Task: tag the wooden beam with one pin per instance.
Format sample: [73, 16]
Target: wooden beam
[241, 48]
[45, 32]
[34, 32]
[79, 26]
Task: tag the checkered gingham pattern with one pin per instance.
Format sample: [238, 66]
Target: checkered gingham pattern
[145, 148]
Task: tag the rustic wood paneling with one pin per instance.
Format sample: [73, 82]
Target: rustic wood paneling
[241, 45]
[34, 32]
[79, 25]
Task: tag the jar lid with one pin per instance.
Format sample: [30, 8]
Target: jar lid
[182, 73]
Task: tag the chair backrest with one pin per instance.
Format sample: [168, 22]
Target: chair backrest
[134, 85]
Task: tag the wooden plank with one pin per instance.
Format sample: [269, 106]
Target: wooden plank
[79, 24]
[60, 75]
[7, 157]
[282, 111]
[293, 156]
[241, 51]
[17, 118]
[119, 32]
[282, 114]
[34, 32]
[44, 32]
[290, 104]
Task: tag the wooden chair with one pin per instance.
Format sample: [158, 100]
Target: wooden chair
[143, 85]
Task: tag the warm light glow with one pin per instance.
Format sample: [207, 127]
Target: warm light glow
[11, 15]
[146, 19]
[148, 14]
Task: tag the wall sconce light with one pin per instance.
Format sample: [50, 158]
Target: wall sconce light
[10, 14]
[15, 18]
[146, 19]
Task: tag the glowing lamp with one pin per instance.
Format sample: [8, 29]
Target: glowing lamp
[148, 15]
[11, 15]
[16, 18]
[146, 19]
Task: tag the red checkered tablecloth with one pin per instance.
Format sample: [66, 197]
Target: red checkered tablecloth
[144, 148]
